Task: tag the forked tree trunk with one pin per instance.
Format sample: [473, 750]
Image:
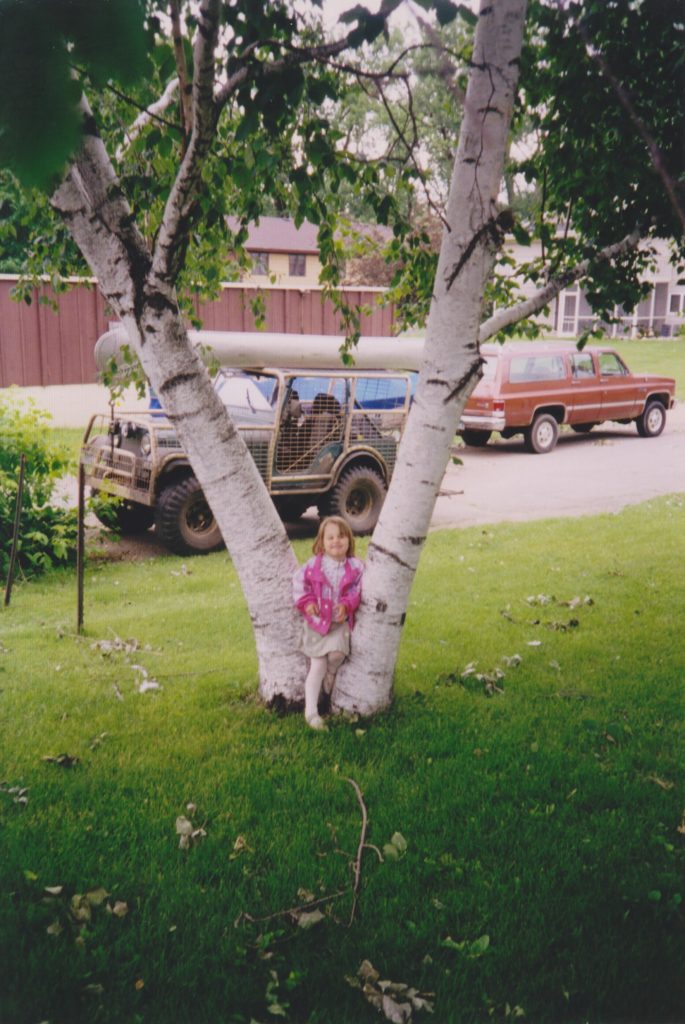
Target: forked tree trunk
[139, 286]
[451, 364]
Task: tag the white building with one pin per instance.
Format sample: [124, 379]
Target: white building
[660, 315]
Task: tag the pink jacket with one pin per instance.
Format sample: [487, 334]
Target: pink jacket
[311, 586]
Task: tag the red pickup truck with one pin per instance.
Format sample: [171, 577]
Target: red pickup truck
[531, 388]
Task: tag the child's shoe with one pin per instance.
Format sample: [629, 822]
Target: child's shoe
[316, 722]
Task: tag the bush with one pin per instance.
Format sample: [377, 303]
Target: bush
[47, 532]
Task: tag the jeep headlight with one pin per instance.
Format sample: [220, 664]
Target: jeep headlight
[145, 444]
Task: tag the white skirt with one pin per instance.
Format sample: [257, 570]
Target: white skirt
[314, 645]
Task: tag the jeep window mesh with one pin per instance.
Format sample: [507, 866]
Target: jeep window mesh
[312, 425]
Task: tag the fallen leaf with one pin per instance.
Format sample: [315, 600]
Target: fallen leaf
[309, 918]
[398, 840]
[96, 897]
[396, 1013]
[395, 1000]
[120, 908]
[534, 643]
[54, 890]
[140, 984]
[367, 972]
[80, 909]
[239, 845]
[148, 684]
[55, 928]
[62, 760]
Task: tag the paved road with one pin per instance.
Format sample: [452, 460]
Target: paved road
[585, 474]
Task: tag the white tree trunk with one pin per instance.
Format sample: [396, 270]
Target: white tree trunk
[451, 359]
[99, 219]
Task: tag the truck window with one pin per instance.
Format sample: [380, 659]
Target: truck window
[582, 365]
[610, 365]
[529, 369]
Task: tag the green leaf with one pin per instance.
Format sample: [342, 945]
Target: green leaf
[399, 841]
[479, 946]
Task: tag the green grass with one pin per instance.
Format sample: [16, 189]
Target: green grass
[69, 438]
[545, 817]
[662, 356]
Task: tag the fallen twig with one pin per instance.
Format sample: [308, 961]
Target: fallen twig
[360, 849]
[291, 911]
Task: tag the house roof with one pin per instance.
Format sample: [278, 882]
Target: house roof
[278, 234]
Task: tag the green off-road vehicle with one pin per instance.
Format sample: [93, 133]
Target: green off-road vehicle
[318, 437]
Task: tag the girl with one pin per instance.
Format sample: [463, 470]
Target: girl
[327, 591]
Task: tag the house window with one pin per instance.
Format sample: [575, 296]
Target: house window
[296, 264]
[674, 306]
[260, 263]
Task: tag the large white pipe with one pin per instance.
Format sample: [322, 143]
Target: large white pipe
[244, 350]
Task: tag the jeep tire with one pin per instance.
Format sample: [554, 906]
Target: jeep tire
[358, 498]
[541, 436]
[183, 520]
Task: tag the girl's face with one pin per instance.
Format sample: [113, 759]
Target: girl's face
[335, 543]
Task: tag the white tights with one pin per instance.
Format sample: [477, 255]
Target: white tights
[319, 669]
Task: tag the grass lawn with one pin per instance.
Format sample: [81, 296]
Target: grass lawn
[544, 825]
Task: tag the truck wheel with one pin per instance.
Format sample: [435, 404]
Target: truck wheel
[358, 498]
[126, 517]
[183, 520]
[652, 421]
[542, 435]
[476, 438]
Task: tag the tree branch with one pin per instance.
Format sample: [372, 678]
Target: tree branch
[522, 310]
[149, 114]
[99, 218]
[182, 69]
[295, 55]
[360, 849]
[172, 239]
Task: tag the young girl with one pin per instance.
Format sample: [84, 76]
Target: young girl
[327, 590]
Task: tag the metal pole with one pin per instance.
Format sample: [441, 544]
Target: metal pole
[15, 533]
[80, 548]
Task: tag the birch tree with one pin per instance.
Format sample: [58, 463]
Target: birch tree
[251, 67]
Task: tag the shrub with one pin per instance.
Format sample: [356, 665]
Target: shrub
[47, 532]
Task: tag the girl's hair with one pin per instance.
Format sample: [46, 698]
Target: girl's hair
[344, 528]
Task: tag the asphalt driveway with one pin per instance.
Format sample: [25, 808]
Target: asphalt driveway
[602, 471]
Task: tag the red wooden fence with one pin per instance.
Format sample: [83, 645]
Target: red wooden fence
[40, 346]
